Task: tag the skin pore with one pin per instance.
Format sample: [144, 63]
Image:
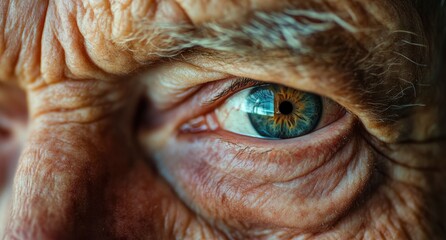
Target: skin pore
[99, 152]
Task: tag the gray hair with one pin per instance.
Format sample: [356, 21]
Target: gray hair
[287, 29]
[278, 30]
[329, 36]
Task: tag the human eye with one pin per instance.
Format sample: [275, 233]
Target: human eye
[271, 111]
[260, 147]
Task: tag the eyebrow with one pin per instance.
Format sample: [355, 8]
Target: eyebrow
[288, 29]
[386, 64]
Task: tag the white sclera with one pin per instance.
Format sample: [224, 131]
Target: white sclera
[232, 115]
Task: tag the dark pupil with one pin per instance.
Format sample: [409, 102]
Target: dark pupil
[286, 107]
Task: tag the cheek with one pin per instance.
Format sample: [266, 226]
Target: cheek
[267, 188]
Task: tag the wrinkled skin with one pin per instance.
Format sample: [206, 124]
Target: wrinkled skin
[72, 164]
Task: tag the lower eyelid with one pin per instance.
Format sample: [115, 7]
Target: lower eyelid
[327, 169]
[206, 165]
[306, 148]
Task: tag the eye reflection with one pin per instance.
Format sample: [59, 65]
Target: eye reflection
[271, 111]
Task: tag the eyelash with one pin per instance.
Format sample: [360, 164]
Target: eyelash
[236, 86]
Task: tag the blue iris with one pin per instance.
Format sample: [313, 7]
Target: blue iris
[279, 112]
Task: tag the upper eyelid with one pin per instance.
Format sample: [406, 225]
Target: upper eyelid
[165, 82]
[240, 83]
[336, 84]
[170, 76]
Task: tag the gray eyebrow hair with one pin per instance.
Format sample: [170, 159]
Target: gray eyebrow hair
[285, 30]
[311, 35]
[367, 54]
[289, 29]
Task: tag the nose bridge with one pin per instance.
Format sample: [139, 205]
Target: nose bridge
[50, 186]
[64, 170]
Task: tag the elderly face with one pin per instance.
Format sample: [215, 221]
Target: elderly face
[222, 119]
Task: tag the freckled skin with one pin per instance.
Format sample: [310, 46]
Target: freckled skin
[84, 173]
